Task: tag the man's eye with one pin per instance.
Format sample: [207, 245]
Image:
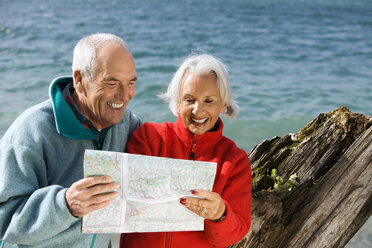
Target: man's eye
[111, 84]
[189, 100]
[208, 101]
[132, 83]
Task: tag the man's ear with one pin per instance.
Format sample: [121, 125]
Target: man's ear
[78, 79]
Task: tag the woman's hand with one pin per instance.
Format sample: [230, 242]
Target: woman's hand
[210, 206]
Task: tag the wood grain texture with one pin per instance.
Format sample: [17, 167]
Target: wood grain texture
[332, 158]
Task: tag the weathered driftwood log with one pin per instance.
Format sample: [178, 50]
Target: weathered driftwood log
[329, 195]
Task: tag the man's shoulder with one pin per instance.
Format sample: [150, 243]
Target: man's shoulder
[36, 114]
[131, 118]
[130, 122]
[32, 122]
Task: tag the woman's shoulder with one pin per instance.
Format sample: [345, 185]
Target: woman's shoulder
[154, 125]
[232, 147]
[155, 128]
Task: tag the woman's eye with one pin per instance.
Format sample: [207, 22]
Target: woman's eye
[208, 101]
[189, 100]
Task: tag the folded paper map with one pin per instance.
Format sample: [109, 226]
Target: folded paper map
[151, 188]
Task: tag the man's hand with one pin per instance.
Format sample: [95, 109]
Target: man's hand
[89, 194]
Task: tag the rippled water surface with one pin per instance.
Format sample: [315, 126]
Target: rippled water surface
[288, 60]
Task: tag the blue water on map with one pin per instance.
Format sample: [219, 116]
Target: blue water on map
[289, 60]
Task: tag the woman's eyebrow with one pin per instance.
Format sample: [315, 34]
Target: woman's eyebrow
[187, 95]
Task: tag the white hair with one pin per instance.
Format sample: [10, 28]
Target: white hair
[200, 65]
[85, 53]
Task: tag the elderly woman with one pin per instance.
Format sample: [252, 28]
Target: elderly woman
[198, 94]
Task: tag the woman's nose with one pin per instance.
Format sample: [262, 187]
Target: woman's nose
[196, 108]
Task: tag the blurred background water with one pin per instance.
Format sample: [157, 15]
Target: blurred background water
[289, 60]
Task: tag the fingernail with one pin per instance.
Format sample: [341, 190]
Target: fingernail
[116, 186]
[194, 192]
[183, 201]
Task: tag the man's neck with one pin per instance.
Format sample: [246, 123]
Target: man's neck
[83, 109]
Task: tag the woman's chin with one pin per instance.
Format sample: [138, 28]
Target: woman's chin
[197, 130]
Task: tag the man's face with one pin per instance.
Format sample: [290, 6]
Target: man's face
[104, 100]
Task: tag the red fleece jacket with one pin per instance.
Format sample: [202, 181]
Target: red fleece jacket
[233, 182]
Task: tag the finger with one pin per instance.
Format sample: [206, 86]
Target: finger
[194, 201]
[98, 199]
[197, 209]
[209, 195]
[101, 189]
[97, 206]
[91, 181]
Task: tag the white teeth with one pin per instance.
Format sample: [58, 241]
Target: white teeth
[200, 121]
[115, 105]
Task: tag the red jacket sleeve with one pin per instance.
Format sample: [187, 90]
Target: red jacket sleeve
[237, 197]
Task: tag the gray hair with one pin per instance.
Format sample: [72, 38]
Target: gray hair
[85, 53]
[201, 64]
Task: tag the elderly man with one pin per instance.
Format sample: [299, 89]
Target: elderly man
[42, 193]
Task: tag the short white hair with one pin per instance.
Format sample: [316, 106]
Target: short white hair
[200, 65]
[84, 59]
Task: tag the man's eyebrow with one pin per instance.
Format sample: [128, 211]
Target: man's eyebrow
[110, 78]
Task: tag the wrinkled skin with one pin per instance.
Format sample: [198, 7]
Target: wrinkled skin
[199, 107]
[103, 101]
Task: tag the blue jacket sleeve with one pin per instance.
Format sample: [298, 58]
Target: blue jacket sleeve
[30, 210]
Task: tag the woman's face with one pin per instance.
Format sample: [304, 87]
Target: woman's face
[200, 102]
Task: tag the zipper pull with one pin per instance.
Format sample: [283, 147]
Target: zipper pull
[192, 153]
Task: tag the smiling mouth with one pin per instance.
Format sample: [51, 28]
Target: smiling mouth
[199, 121]
[115, 105]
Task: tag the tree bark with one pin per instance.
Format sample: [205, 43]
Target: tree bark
[332, 159]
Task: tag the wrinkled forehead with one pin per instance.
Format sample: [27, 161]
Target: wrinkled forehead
[189, 73]
[196, 84]
[114, 57]
[109, 50]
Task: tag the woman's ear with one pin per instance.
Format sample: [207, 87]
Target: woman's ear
[223, 109]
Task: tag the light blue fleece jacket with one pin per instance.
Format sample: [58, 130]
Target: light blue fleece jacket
[41, 155]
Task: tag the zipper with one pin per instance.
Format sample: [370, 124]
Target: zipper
[167, 238]
[93, 240]
[192, 151]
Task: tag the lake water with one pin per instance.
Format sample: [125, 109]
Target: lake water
[289, 60]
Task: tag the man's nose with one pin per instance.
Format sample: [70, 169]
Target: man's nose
[121, 91]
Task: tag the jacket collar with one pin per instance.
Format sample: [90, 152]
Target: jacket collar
[210, 138]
